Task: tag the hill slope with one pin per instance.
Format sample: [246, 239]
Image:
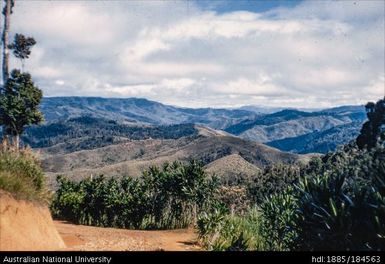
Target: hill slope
[134, 156]
[252, 123]
[138, 111]
[231, 168]
[290, 124]
[321, 142]
[91, 132]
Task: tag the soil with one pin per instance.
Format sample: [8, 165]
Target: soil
[26, 226]
[29, 226]
[88, 238]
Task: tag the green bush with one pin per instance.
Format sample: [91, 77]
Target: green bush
[273, 179]
[170, 197]
[278, 226]
[339, 205]
[221, 231]
[21, 175]
[344, 208]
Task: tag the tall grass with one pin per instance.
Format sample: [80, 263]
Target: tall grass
[221, 231]
[21, 174]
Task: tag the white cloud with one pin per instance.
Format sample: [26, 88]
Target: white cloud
[317, 54]
[59, 82]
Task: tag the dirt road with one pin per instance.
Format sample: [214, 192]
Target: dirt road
[88, 238]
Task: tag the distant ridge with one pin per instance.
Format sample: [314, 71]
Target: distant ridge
[279, 127]
[138, 111]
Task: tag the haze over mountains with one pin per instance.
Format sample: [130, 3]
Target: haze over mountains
[86, 136]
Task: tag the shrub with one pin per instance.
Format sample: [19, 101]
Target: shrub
[221, 231]
[21, 175]
[344, 208]
[278, 225]
[167, 197]
[339, 205]
[234, 198]
[273, 179]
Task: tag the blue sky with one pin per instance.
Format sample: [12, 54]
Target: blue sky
[201, 53]
[244, 5]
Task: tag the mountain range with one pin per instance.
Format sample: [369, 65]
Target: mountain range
[85, 136]
[139, 111]
[285, 129]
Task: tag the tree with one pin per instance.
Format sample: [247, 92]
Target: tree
[19, 105]
[20, 98]
[21, 47]
[374, 129]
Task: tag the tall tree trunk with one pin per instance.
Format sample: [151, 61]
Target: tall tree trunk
[5, 38]
[5, 41]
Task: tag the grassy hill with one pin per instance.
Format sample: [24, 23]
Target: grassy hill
[232, 168]
[133, 156]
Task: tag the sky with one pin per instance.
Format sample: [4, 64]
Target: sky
[307, 54]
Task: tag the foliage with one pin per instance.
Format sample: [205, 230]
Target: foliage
[98, 132]
[221, 231]
[278, 225]
[234, 198]
[344, 207]
[21, 46]
[339, 204]
[170, 197]
[273, 179]
[19, 104]
[374, 129]
[21, 175]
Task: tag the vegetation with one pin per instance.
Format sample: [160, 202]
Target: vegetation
[19, 97]
[21, 46]
[98, 132]
[322, 141]
[170, 197]
[273, 179]
[336, 203]
[303, 132]
[21, 175]
[221, 231]
[374, 128]
[19, 105]
[337, 206]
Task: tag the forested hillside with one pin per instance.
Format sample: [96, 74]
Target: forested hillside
[91, 132]
[285, 129]
[293, 123]
[138, 111]
[319, 142]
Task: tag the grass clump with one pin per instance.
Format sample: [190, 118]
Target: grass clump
[21, 175]
[221, 231]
